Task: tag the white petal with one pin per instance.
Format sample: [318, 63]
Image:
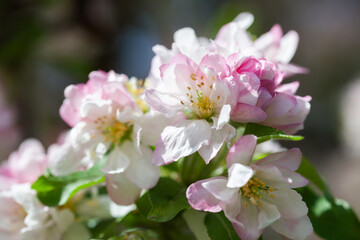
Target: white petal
[121, 190]
[244, 20]
[118, 211]
[268, 214]
[223, 118]
[239, 175]
[247, 226]
[217, 187]
[288, 45]
[117, 162]
[140, 171]
[298, 228]
[209, 151]
[181, 140]
[63, 218]
[165, 103]
[289, 203]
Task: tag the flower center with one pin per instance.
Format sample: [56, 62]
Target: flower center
[112, 129]
[201, 104]
[254, 190]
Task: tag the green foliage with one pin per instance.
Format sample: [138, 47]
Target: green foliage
[332, 219]
[219, 227]
[56, 191]
[264, 133]
[164, 201]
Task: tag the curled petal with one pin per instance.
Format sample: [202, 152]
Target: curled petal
[201, 199]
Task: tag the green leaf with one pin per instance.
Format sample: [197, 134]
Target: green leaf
[163, 202]
[265, 133]
[144, 205]
[56, 191]
[308, 171]
[219, 227]
[196, 222]
[332, 219]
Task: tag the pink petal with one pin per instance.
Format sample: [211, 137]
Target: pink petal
[215, 62]
[201, 199]
[242, 151]
[245, 113]
[289, 88]
[290, 159]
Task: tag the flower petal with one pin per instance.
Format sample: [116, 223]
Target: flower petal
[288, 46]
[245, 113]
[181, 140]
[140, 170]
[242, 151]
[239, 175]
[162, 102]
[117, 162]
[218, 137]
[268, 214]
[298, 228]
[217, 187]
[247, 225]
[201, 199]
[289, 203]
[121, 190]
[290, 159]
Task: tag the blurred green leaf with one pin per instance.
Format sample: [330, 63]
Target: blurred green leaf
[56, 191]
[265, 133]
[332, 219]
[219, 227]
[308, 171]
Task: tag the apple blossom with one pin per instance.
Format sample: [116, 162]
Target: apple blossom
[108, 118]
[273, 46]
[24, 165]
[201, 93]
[256, 195]
[24, 217]
[284, 110]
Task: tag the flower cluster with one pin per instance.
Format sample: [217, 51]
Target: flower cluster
[198, 99]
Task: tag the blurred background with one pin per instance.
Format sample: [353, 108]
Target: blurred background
[46, 45]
